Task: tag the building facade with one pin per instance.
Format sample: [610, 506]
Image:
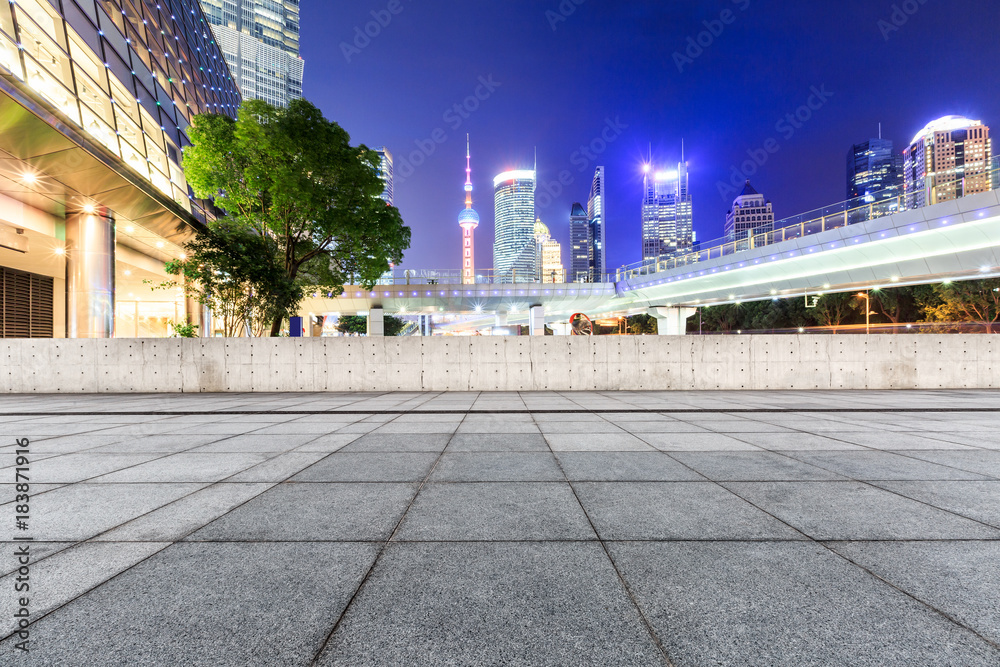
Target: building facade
[874, 170]
[948, 159]
[468, 220]
[596, 205]
[514, 256]
[750, 215]
[260, 39]
[385, 172]
[549, 256]
[96, 104]
[581, 244]
[667, 213]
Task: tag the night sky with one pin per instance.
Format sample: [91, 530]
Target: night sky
[570, 71]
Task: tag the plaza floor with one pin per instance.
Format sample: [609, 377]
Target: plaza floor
[590, 528]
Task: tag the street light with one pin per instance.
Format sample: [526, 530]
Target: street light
[868, 311]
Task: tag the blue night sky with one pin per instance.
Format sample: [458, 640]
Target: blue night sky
[609, 68]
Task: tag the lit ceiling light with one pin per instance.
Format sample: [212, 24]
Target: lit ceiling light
[826, 285]
[159, 244]
[29, 178]
[184, 256]
[89, 208]
[894, 279]
[127, 272]
[130, 229]
[60, 251]
[774, 291]
[984, 269]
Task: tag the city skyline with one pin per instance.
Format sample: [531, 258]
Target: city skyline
[727, 104]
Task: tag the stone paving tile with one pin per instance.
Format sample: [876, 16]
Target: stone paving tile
[214, 605]
[784, 604]
[696, 442]
[80, 511]
[489, 512]
[979, 438]
[895, 441]
[624, 467]
[329, 443]
[984, 462]
[176, 520]
[795, 441]
[396, 442]
[369, 467]
[492, 604]
[873, 465]
[311, 512]
[253, 442]
[72, 572]
[70, 468]
[186, 467]
[497, 442]
[279, 468]
[587, 427]
[39, 551]
[497, 467]
[752, 466]
[675, 511]
[498, 427]
[959, 578]
[976, 500]
[416, 427]
[159, 443]
[857, 511]
[597, 442]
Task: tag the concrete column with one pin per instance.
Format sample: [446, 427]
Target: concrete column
[672, 321]
[560, 328]
[501, 318]
[426, 325]
[536, 321]
[90, 275]
[376, 322]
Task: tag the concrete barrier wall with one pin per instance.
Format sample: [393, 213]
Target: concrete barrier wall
[500, 364]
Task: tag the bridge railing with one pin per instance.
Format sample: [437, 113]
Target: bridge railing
[849, 212]
[454, 277]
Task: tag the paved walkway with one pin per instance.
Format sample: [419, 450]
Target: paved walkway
[752, 528]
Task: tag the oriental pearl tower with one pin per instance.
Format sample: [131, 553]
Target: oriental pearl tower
[469, 220]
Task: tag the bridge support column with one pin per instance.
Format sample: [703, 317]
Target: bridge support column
[376, 322]
[536, 321]
[501, 318]
[560, 328]
[424, 322]
[672, 321]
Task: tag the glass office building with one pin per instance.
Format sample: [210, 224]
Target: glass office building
[596, 212]
[514, 256]
[667, 215]
[96, 98]
[385, 172]
[260, 40]
[874, 169]
[581, 238]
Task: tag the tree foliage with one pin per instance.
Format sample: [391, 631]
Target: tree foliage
[968, 301]
[231, 270]
[292, 177]
[358, 324]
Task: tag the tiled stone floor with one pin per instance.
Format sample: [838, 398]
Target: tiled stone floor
[723, 528]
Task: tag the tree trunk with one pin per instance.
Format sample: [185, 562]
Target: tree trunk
[276, 326]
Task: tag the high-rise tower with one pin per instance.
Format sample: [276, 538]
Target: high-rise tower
[514, 256]
[598, 218]
[948, 159]
[469, 220]
[260, 39]
[666, 213]
[385, 172]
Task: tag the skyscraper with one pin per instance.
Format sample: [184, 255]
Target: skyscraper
[948, 159]
[581, 245]
[469, 220]
[750, 215]
[549, 256]
[597, 214]
[385, 172]
[874, 169]
[667, 215]
[514, 256]
[260, 39]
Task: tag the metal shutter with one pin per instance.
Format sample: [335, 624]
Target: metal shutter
[26, 306]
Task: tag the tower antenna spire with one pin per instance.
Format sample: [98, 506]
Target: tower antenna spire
[682, 150]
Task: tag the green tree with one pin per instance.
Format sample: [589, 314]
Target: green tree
[231, 270]
[293, 177]
[358, 324]
[969, 301]
[834, 310]
[642, 325]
